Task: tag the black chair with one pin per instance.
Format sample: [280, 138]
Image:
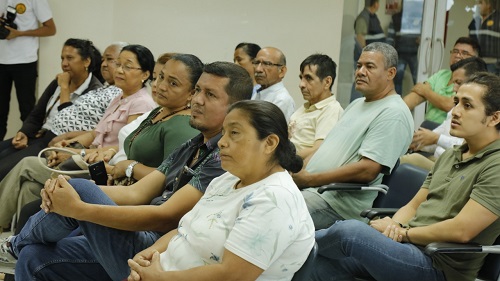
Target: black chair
[404, 182]
[430, 125]
[490, 271]
[305, 271]
[395, 191]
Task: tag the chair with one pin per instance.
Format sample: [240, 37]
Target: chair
[490, 270]
[404, 182]
[305, 271]
[396, 189]
[430, 125]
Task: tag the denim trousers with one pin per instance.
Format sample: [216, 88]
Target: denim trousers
[45, 252]
[352, 249]
[410, 60]
[322, 214]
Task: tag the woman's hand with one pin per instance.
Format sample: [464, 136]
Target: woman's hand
[56, 158]
[145, 269]
[118, 171]
[63, 79]
[20, 141]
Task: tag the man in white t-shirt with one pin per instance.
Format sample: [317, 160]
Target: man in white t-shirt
[19, 53]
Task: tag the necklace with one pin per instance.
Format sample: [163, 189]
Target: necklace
[148, 123]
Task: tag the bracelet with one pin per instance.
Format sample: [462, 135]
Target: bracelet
[112, 149]
[407, 236]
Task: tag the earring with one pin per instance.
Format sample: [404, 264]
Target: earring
[142, 81]
[86, 69]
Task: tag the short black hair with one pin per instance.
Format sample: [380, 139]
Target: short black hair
[325, 66]
[470, 65]
[240, 85]
[469, 41]
[491, 96]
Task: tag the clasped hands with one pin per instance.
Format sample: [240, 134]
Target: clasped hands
[58, 196]
[145, 266]
[389, 228]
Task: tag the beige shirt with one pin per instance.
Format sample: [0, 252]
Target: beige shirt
[313, 122]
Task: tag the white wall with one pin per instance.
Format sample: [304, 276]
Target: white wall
[209, 29]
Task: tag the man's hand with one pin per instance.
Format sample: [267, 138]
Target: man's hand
[20, 141]
[382, 224]
[302, 179]
[49, 187]
[13, 33]
[422, 89]
[423, 137]
[63, 198]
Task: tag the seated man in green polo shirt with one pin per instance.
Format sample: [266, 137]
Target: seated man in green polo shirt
[438, 89]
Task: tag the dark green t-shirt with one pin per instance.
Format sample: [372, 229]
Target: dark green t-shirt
[154, 143]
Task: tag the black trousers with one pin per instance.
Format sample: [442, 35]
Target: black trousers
[23, 77]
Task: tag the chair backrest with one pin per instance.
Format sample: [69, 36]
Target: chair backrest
[404, 182]
[491, 266]
[305, 271]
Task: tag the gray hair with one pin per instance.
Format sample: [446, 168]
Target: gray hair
[120, 45]
[390, 54]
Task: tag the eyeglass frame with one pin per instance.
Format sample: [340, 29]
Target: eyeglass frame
[462, 53]
[125, 67]
[265, 64]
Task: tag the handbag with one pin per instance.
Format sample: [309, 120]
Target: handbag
[74, 166]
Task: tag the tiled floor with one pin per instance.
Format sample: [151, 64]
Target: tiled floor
[3, 268]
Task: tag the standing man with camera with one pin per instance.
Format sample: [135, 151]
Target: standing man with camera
[21, 23]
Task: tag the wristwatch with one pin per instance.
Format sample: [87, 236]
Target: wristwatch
[130, 169]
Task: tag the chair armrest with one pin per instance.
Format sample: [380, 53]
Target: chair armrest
[450, 248]
[353, 187]
[378, 212]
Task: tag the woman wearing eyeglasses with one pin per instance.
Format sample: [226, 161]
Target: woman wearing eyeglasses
[134, 68]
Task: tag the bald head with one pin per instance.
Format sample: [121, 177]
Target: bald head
[270, 66]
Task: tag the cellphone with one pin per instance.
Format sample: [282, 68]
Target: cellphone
[98, 173]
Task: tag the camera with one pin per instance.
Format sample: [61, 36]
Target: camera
[8, 20]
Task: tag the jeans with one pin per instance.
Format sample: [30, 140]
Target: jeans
[322, 214]
[47, 253]
[351, 248]
[24, 78]
[410, 60]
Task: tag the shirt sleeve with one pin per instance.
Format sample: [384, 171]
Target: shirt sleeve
[42, 10]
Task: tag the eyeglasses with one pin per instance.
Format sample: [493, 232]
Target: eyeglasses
[126, 67]
[109, 61]
[462, 53]
[266, 64]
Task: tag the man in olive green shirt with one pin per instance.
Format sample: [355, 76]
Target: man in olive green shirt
[459, 202]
